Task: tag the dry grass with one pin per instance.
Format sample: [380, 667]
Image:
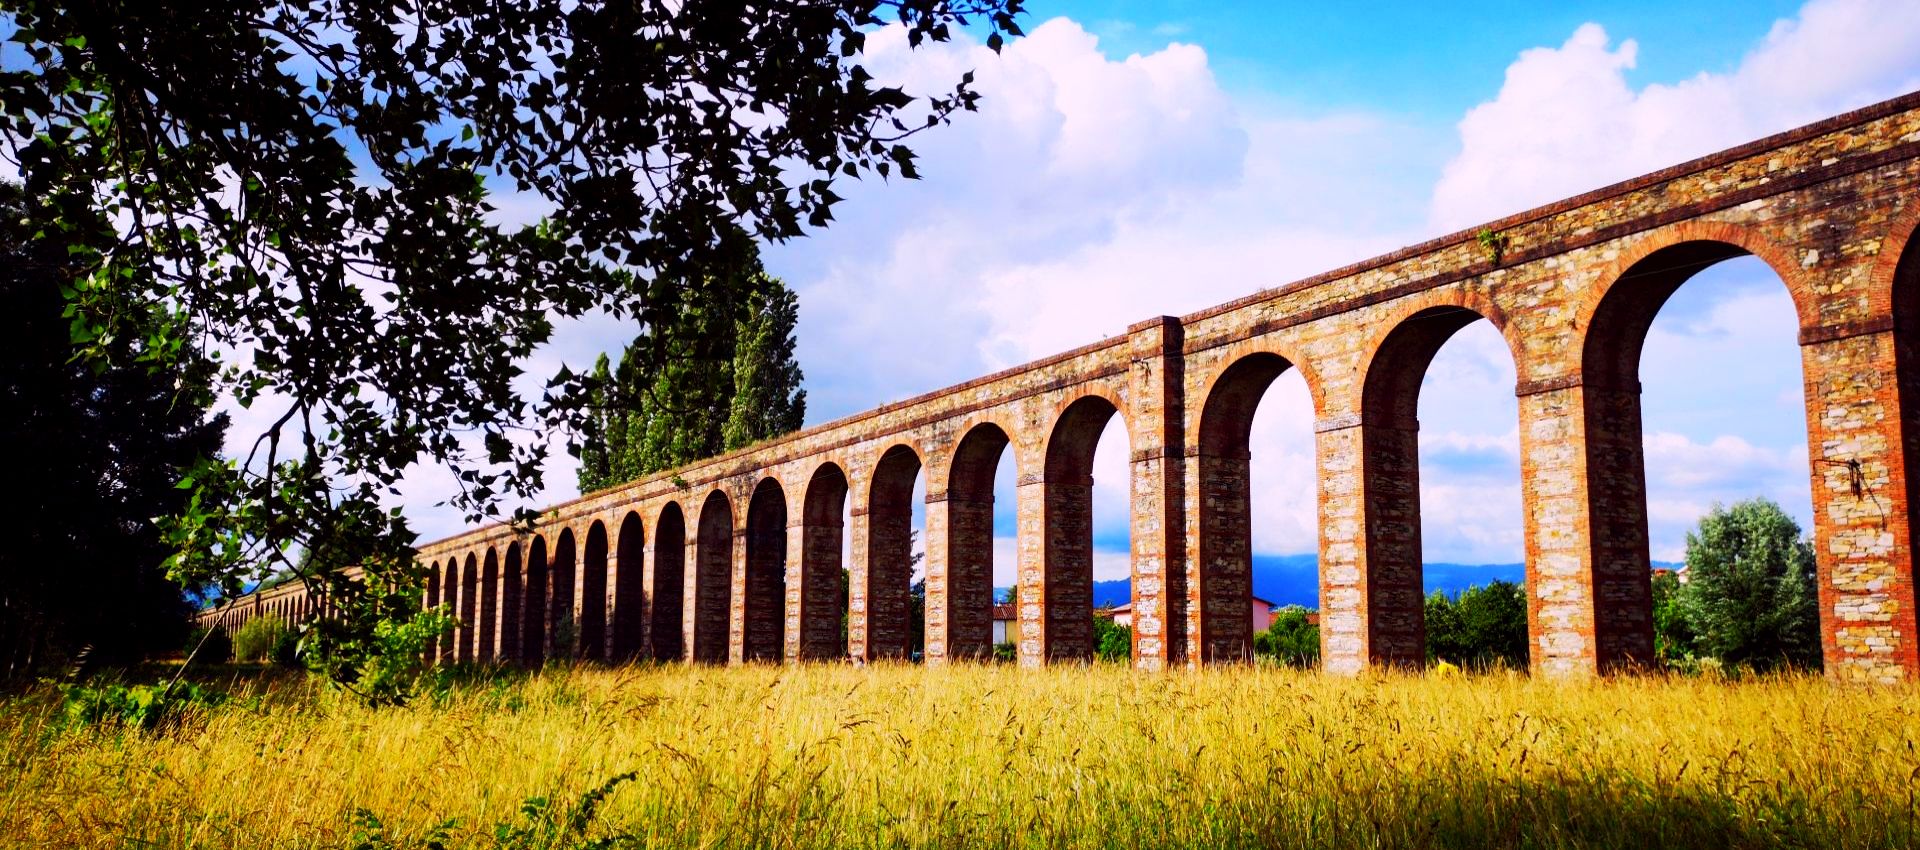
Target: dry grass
[833, 756]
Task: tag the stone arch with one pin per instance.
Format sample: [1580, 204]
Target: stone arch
[764, 590]
[822, 590]
[1615, 318]
[450, 597]
[469, 614]
[965, 573]
[711, 575]
[534, 607]
[628, 590]
[512, 584]
[488, 605]
[1222, 624]
[592, 584]
[563, 623]
[881, 596]
[1651, 269]
[1065, 591]
[666, 586]
[1389, 584]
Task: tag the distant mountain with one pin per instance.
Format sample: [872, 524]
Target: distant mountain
[1295, 579]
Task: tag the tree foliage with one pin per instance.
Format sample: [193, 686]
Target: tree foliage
[1750, 597]
[1112, 641]
[732, 380]
[95, 452]
[319, 195]
[1480, 628]
[1291, 639]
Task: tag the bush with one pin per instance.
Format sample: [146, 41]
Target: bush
[259, 638]
[144, 707]
[1008, 651]
[1112, 641]
[1483, 627]
[1751, 598]
[218, 648]
[1290, 639]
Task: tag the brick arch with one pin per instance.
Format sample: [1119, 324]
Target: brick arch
[1233, 355]
[764, 589]
[1740, 240]
[1221, 463]
[563, 622]
[592, 586]
[1066, 537]
[711, 575]
[626, 588]
[1395, 346]
[882, 575]
[821, 600]
[512, 591]
[666, 584]
[468, 612]
[487, 607]
[535, 616]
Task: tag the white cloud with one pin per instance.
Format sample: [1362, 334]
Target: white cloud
[1091, 192]
[1566, 120]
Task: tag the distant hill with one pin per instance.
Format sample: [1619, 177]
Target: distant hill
[1295, 579]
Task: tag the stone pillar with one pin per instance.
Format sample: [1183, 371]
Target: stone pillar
[1589, 573]
[1068, 569]
[1157, 496]
[959, 576]
[737, 596]
[1371, 610]
[1220, 572]
[487, 611]
[1030, 497]
[884, 574]
[859, 648]
[1863, 533]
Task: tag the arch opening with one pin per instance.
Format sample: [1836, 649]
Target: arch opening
[667, 586]
[563, 623]
[592, 590]
[1065, 583]
[1694, 395]
[962, 621]
[512, 582]
[712, 581]
[533, 605]
[629, 614]
[763, 635]
[822, 592]
[469, 612]
[487, 632]
[1225, 626]
[881, 615]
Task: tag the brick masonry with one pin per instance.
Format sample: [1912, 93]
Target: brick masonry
[739, 557]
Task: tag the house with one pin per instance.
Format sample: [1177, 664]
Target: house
[1003, 620]
[1262, 614]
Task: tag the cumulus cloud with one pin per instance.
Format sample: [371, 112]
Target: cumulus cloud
[1092, 191]
[1567, 120]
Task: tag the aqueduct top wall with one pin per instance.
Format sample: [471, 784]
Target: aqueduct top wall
[739, 556]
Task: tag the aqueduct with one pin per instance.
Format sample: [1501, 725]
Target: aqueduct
[738, 558]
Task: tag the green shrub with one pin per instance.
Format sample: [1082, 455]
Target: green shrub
[217, 649]
[1290, 639]
[257, 639]
[144, 707]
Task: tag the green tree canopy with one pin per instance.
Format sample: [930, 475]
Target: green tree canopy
[732, 381]
[96, 454]
[1750, 597]
[1481, 627]
[1291, 638]
[311, 192]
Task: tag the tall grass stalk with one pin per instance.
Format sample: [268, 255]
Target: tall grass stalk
[886, 756]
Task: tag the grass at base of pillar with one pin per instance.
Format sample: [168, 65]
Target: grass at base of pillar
[832, 756]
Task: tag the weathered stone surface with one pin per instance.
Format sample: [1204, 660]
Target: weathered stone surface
[1832, 208]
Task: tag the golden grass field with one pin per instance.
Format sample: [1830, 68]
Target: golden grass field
[835, 756]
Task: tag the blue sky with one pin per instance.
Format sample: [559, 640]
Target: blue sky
[1134, 159]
